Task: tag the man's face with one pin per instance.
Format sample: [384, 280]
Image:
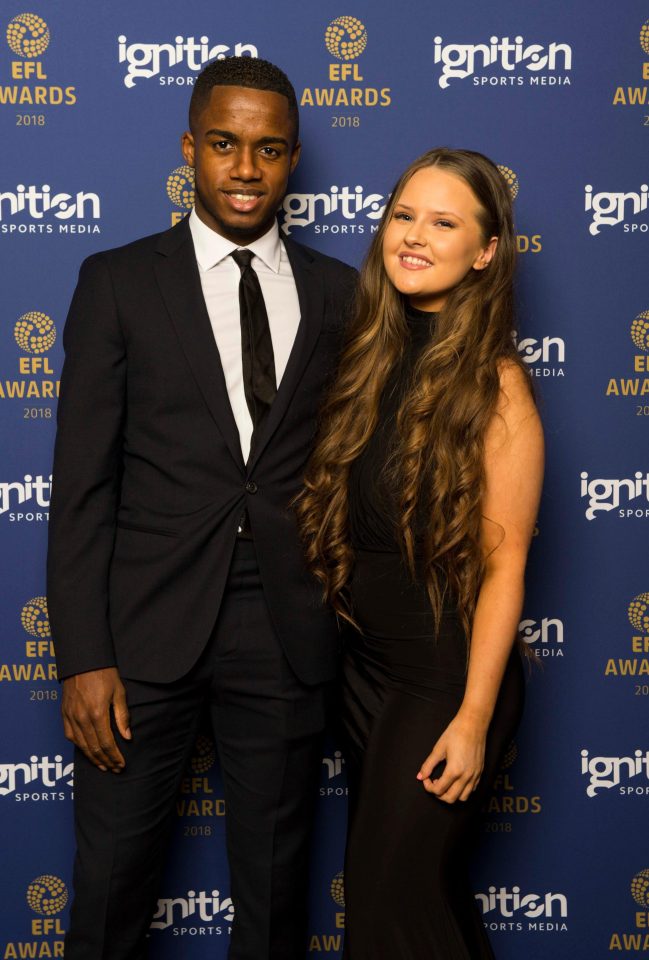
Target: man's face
[242, 152]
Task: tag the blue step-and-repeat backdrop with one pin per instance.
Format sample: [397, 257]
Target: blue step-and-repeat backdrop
[93, 99]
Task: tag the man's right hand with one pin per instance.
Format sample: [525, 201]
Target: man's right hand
[87, 701]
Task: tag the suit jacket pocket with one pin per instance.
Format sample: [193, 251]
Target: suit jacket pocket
[142, 528]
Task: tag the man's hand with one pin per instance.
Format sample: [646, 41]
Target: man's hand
[87, 701]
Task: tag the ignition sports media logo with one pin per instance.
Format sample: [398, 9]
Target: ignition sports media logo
[604, 495]
[335, 212]
[637, 665]
[524, 242]
[511, 909]
[33, 490]
[38, 665]
[608, 773]
[507, 800]
[35, 334]
[544, 357]
[144, 61]
[345, 39]
[39, 778]
[46, 896]
[610, 209]
[333, 782]
[32, 209]
[544, 637]
[181, 191]
[196, 914]
[331, 942]
[637, 939]
[198, 796]
[634, 387]
[501, 62]
[28, 38]
[637, 96]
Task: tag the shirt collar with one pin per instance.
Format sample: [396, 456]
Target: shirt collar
[211, 248]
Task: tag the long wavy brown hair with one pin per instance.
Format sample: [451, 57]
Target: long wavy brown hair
[437, 468]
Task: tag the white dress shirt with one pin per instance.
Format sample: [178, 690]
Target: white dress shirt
[220, 278]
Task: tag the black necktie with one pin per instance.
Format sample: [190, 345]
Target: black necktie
[259, 380]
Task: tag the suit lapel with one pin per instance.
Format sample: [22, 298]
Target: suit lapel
[179, 281]
[310, 291]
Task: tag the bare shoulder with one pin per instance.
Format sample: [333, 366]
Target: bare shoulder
[516, 397]
[516, 415]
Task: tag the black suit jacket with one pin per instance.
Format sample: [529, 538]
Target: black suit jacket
[149, 479]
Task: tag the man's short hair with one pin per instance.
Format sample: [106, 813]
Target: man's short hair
[252, 72]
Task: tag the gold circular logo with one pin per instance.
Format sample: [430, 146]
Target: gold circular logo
[644, 36]
[204, 754]
[47, 895]
[345, 38]
[28, 35]
[337, 889]
[180, 187]
[35, 618]
[640, 888]
[510, 179]
[638, 614]
[35, 332]
[640, 331]
[511, 754]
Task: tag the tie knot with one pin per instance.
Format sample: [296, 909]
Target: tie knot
[242, 258]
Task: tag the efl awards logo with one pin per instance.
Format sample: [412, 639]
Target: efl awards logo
[332, 941]
[46, 896]
[637, 96]
[635, 940]
[501, 62]
[35, 334]
[38, 665]
[627, 497]
[164, 61]
[507, 801]
[181, 191]
[28, 38]
[198, 796]
[637, 665]
[635, 387]
[345, 40]
[524, 243]
[543, 637]
[609, 209]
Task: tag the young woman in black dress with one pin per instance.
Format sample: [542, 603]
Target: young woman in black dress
[417, 514]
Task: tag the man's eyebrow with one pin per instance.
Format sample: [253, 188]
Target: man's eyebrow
[228, 135]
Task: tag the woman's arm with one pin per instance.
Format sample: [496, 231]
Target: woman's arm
[514, 473]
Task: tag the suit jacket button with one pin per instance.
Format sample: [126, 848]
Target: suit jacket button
[251, 486]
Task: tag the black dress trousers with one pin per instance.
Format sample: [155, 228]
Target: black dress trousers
[267, 727]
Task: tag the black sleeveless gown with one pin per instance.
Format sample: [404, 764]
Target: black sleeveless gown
[407, 894]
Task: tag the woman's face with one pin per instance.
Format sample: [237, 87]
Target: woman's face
[434, 238]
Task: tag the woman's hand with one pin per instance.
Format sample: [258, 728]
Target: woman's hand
[462, 747]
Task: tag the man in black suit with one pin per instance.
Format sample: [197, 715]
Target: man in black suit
[195, 360]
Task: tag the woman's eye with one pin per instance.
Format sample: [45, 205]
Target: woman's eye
[444, 223]
[402, 216]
